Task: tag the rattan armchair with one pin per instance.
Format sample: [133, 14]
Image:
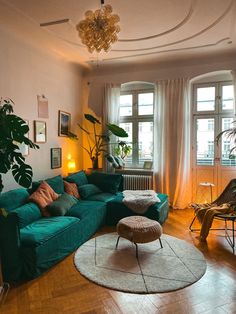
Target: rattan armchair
[227, 196]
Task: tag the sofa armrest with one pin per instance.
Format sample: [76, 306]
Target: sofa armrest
[10, 247]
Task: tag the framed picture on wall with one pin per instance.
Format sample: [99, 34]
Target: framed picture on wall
[64, 119]
[40, 132]
[55, 158]
[147, 165]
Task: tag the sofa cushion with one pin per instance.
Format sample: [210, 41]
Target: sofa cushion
[27, 214]
[79, 178]
[105, 181]
[61, 205]
[44, 229]
[87, 190]
[43, 196]
[14, 198]
[101, 197]
[87, 209]
[71, 189]
[56, 183]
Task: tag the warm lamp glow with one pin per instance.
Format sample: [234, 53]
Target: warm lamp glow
[71, 164]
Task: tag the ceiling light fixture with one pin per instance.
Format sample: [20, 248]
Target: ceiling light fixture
[99, 30]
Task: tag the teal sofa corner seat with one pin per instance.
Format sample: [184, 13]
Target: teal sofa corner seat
[117, 210]
[30, 244]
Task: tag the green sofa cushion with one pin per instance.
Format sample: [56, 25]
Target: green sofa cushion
[87, 209]
[13, 199]
[44, 229]
[61, 205]
[87, 190]
[101, 197]
[107, 182]
[79, 178]
[56, 183]
[27, 214]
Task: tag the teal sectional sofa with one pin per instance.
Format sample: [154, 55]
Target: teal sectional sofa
[30, 244]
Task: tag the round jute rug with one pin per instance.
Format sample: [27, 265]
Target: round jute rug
[175, 266]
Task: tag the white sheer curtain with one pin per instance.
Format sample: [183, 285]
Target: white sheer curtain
[172, 134]
[233, 73]
[111, 111]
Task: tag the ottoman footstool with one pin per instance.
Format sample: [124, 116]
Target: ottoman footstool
[139, 229]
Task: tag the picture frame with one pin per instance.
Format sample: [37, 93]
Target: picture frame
[56, 156]
[40, 131]
[23, 148]
[147, 165]
[42, 107]
[64, 120]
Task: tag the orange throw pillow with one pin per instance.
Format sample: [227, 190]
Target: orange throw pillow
[43, 196]
[71, 188]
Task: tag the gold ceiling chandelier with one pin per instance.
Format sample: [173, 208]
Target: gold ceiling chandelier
[99, 28]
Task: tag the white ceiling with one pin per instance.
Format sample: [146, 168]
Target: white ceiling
[151, 30]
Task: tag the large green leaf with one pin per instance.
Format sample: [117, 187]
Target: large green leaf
[22, 174]
[72, 136]
[17, 127]
[91, 118]
[116, 130]
[27, 141]
[83, 129]
[7, 106]
[5, 163]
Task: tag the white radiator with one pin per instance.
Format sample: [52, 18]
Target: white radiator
[137, 182]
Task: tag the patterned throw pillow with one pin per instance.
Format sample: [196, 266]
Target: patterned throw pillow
[71, 188]
[43, 196]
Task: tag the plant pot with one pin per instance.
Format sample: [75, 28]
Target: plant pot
[95, 163]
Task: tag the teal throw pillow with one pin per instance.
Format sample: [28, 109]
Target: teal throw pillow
[56, 183]
[61, 205]
[87, 190]
[107, 182]
[27, 214]
[79, 178]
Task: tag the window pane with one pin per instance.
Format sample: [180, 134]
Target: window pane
[145, 103]
[205, 141]
[206, 98]
[226, 144]
[126, 105]
[145, 135]
[227, 97]
[128, 127]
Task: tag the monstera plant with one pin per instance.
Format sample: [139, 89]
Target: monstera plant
[98, 142]
[13, 132]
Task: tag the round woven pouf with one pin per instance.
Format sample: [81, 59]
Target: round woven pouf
[139, 229]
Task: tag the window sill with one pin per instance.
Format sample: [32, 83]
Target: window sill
[139, 171]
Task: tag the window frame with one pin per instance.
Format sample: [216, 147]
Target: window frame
[218, 98]
[218, 114]
[135, 119]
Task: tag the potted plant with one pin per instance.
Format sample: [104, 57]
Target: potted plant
[122, 150]
[231, 135]
[13, 132]
[98, 142]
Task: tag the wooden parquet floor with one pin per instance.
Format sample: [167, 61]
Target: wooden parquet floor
[63, 290]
